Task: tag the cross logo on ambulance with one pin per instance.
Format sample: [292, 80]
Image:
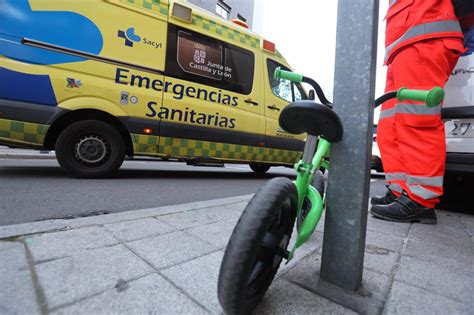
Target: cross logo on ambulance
[130, 37]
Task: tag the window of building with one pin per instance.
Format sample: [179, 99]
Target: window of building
[240, 17]
[282, 88]
[223, 10]
[209, 61]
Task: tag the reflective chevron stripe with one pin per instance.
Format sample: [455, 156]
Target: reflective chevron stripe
[395, 187]
[435, 181]
[395, 176]
[423, 192]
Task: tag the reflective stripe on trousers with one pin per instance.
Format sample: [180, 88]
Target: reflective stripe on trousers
[446, 26]
[416, 184]
[412, 109]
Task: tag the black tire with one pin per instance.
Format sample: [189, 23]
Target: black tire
[318, 183]
[269, 216]
[379, 166]
[259, 168]
[90, 149]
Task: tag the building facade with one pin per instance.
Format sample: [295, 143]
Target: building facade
[229, 9]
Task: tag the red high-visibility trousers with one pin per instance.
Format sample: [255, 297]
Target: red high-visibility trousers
[411, 136]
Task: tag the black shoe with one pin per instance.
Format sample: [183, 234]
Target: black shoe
[403, 209]
[383, 200]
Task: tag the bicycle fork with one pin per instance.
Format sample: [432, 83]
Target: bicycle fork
[306, 170]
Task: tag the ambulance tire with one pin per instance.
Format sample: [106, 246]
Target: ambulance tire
[90, 149]
[249, 265]
[259, 168]
[318, 183]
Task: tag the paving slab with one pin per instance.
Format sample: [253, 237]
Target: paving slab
[235, 205]
[170, 249]
[381, 240]
[387, 227]
[17, 293]
[369, 300]
[448, 280]
[7, 231]
[449, 224]
[66, 243]
[434, 251]
[151, 294]
[217, 234]
[448, 219]
[313, 245]
[380, 259]
[198, 278]
[189, 219]
[137, 229]
[443, 235]
[469, 225]
[284, 297]
[407, 299]
[87, 273]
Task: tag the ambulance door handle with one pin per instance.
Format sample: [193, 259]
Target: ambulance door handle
[249, 101]
[273, 107]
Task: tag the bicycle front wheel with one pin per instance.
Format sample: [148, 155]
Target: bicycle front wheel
[257, 246]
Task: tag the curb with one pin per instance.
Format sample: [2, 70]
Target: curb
[26, 157]
[15, 230]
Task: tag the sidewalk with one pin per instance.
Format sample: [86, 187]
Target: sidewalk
[166, 261]
[9, 153]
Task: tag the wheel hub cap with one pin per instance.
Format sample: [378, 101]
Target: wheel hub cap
[91, 149]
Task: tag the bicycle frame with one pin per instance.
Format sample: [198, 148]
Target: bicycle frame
[313, 159]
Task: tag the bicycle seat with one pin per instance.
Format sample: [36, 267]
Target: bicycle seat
[312, 118]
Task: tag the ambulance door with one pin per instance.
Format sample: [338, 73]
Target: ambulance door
[135, 36]
[281, 146]
[127, 40]
[211, 108]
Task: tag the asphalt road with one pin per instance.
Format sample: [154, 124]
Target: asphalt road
[32, 190]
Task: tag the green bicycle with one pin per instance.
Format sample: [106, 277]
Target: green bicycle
[260, 239]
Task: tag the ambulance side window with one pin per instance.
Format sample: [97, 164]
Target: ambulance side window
[282, 88]
[298, 93]
[202, 59]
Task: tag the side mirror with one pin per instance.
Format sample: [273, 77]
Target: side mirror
[311, 95]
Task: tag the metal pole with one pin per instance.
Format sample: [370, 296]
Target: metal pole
[349, 178]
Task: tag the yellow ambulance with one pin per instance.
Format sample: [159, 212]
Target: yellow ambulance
[101, 80]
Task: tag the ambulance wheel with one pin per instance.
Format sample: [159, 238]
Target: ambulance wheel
[90, 149]
[257, 246]
[318, 183]
[259, 168]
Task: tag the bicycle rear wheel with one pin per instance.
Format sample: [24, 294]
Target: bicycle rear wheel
[257, 246]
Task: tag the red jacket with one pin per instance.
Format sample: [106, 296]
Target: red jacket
[410, 21]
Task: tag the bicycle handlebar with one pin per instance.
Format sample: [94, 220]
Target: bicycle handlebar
[288, 75]
[432, 98]
[298, 78]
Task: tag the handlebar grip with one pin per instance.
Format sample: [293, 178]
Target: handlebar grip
[288, 75]
[432, 98]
